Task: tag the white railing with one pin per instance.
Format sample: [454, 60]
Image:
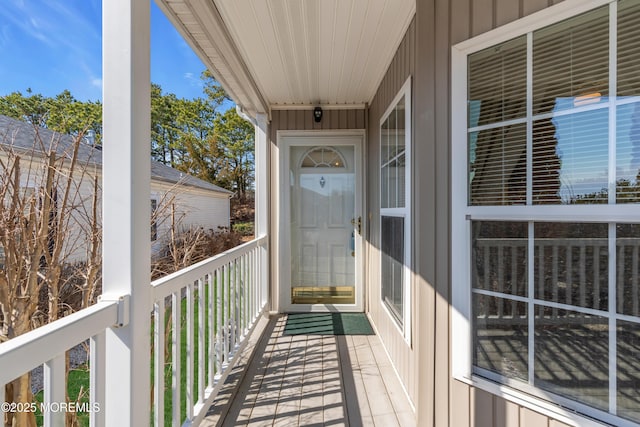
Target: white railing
[229, 292]
[46, 346]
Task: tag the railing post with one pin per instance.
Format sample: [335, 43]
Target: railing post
[126, 209]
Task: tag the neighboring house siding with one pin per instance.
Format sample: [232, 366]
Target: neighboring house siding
[439, 25]
[199, 203]
[194, 208]
[403, 354]
[81, 197]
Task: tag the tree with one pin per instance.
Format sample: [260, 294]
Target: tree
[63, 113]
[235, 138]
[42, 223]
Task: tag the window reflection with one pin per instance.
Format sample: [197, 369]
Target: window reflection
[572, 355]
[501, 336]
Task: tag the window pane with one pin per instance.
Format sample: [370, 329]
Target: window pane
[384, 161]
[572, 355]
[401, 150]
[629, 370]
[571, 62]
[392, 260]
[497, 169]
[498, 83]
[500, 336]
[393, 158]
[499, 257]
[628, 153]
[628, 268]
[570, 158]
[628, 48]
[572, 264]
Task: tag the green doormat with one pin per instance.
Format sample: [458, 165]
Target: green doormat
[328, 324]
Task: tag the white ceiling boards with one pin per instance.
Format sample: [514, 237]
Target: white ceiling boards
[288, 53]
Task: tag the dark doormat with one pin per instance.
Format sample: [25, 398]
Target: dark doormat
[328, 324]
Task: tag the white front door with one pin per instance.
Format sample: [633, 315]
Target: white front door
[322, 224]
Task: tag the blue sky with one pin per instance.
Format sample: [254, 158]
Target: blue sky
[52, 45]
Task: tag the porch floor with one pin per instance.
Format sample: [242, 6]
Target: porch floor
[312, 380]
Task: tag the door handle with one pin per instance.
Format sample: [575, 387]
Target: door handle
[357, 223]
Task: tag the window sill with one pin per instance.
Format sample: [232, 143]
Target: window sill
[564, 415]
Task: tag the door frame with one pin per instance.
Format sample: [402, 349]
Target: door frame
[287, 139]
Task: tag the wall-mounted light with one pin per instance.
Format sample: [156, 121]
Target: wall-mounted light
[317, 114]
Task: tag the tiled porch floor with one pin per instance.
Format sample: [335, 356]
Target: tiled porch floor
[313, 380]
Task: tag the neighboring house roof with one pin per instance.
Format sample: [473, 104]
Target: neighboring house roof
[21, 135]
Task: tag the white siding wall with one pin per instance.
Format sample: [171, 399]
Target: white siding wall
[195, 207]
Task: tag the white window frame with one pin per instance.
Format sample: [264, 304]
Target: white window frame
[463, 214]
[405, 212]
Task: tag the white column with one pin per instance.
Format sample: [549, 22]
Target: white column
[262, 197]
[262, 175]
[126, 208]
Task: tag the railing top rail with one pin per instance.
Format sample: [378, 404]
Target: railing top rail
[27, 351]
[164, 286]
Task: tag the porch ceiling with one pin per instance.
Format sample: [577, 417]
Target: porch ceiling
[292, 53]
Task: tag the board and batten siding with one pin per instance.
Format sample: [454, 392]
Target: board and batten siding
[402, 352]
[442, 401]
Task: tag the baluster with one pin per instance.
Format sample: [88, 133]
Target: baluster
[175, 357]
[542, 268]
[620, 281]
[3, 400]
[569, 275]
[97, 378]
[211, 321]
[501, 301]
[245, 312]
[232, 308]
[596, 276]
[252, 283]
[634, 280]
[554, 277]
[54, 390]
[190, 349]
[201, 340]
[583, 274]
[158, 353]
[219, 321]
[225, 311]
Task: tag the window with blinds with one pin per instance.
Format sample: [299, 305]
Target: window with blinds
[549, 296]
[551, 138]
